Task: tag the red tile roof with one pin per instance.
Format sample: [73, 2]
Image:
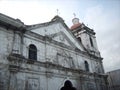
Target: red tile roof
[75, 26]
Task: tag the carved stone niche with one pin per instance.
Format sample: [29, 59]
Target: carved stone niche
[32, 84]
[90, 86]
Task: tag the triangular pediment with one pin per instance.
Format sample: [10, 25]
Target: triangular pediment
[62, 38]
[58, 31]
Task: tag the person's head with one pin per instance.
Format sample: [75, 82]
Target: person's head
[67, 83]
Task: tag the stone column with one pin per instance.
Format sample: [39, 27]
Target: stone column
[12, 81]
[16, 43]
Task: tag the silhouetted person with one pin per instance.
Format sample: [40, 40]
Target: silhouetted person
[68, 86]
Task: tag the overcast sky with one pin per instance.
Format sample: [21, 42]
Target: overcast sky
[101, 15]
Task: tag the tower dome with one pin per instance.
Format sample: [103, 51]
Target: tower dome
[75, 20]
[76, 23]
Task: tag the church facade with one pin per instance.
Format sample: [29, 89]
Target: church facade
[43, 56]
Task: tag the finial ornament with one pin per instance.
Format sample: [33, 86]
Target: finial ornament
[57, 11]
[74, 15]
[75, 20]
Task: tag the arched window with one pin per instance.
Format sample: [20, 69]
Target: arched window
[91, 41]
[32, 52]
[68, 86]
[86, 66]
[79, 39]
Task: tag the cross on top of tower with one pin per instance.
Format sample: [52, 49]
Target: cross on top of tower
[74, 15]
[57, 11]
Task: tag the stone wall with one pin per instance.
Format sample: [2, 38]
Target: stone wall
[56, 61]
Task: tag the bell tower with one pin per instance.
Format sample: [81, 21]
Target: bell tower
[85, 36]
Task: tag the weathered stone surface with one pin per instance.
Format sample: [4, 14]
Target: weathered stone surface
[60, 57]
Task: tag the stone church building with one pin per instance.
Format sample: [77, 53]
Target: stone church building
[43, 56]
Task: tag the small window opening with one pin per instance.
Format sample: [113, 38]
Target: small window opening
[79, 39]
[91, 41]
[32, 52]
[86, 66]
